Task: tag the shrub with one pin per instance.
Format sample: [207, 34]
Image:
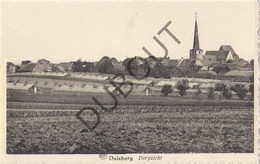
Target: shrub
[223, 88]
[198, 92]
[240, 90]
[220, 87]
[227, 93]
[166, 90]
[182, 86]
[211, 91]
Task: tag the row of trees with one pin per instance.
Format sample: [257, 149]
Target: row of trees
[183, 85]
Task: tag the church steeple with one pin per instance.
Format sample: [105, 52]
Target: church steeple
[196, 44]
[196, 53]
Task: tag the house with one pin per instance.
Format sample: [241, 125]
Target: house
[206, 73]
[173, 63]
[186, 64]
[64, 67]
[40, 66]
[220, 68]
[31, 67]
[10, 68]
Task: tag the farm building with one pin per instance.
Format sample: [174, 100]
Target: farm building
[90, 76]
[45, 87]
[239, 75]
[28, 88]
[82, 88]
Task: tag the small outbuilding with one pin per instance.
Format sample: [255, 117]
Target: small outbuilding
[29, 88]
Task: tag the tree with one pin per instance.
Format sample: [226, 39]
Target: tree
[25, 62]
[198, 91]
[160, 71]
[167, 89]
[43, 61]
[225, 91]
[227, 94]
[240, 90]
[251, 89]
[182, 86]
[105, 66]
[211, 91]
[137, 66]
[220, 87]
[252, 62]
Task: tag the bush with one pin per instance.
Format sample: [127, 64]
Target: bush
[227, 94]
[182, 86]
[198, 92]
[166, 90]
[211, 91]
[240, 90]
[220, 87]
[223, 88]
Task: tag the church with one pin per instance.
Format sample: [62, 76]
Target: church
[225, 56]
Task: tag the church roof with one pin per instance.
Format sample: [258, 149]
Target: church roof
[229, 49]
[214, 53]
[221, 55]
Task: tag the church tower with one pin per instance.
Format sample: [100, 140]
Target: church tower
[196, 53]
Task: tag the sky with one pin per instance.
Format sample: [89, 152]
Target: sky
[68, 31]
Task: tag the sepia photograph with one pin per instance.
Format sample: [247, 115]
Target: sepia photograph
[116, 78]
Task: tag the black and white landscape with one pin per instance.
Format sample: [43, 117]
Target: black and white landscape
[66, 97]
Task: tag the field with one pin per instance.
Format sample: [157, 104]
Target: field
[138, 125]
[46, 123]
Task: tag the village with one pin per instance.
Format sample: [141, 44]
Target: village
[201, 70]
